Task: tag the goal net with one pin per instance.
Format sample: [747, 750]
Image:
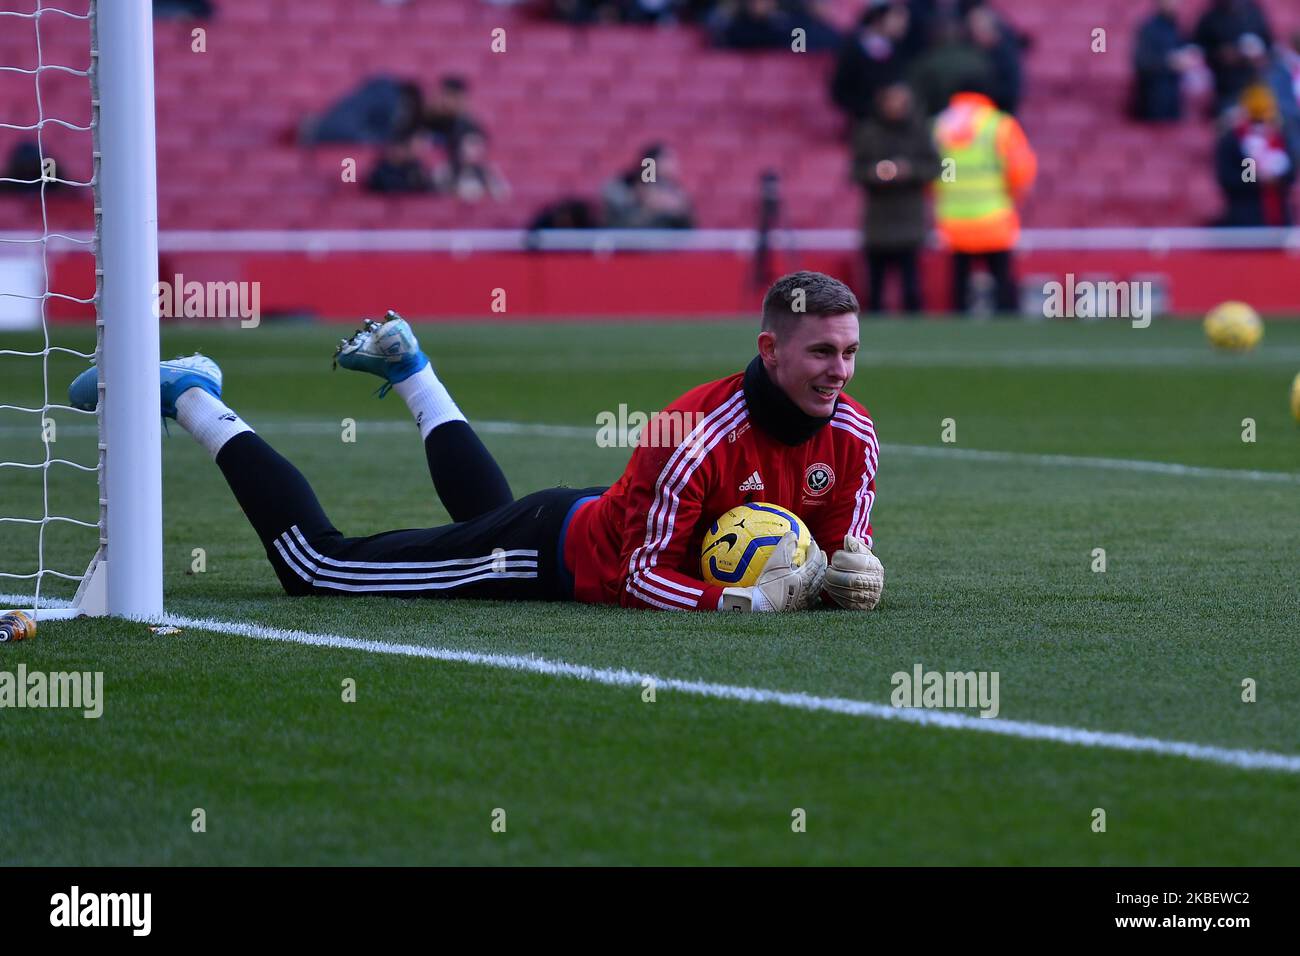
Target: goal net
[80, 491]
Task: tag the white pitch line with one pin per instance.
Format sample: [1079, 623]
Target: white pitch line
[1079, 461]
[1025, 730]
[921, 451]
[588, 433]
[968, 454]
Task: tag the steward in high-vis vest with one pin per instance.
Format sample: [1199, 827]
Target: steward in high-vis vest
[988, 166]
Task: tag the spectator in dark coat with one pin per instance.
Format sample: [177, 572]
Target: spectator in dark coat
[200, 9]
[398, 171]
[383, 109]
[473, 177]
[895, 160]
[448, 120]
[613, 11]
[869, 58]
[1160, 59]
[649, 11]
[649, 196]
[1257, 192]
[819, 36]
[923, 18]
[1289, 54]
[1001, 44]
[589, 11]
[754, 25]
[573, 212]
[949, 62]
[1218, 33]
[1271, 71]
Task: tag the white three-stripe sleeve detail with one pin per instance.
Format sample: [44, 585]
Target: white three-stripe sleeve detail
[673, 498]
[637, 580]
[637, 592]
[668, 474]
[673, 584]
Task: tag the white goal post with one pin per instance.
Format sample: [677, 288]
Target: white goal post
[124, 577]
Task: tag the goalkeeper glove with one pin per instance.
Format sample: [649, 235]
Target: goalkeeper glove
[781, 586]
[855, 578]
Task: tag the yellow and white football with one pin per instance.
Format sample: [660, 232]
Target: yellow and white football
[1234, 327]
[738, 545]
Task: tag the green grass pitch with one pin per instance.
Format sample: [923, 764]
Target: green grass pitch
[989, 562]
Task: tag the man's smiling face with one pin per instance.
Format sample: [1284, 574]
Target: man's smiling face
[812, 359]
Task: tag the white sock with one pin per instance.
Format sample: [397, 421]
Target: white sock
[208, 419]
[429, 401]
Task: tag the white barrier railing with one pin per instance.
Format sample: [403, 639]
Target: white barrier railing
[672, 240]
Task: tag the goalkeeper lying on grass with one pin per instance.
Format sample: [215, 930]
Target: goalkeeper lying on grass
[782, 432]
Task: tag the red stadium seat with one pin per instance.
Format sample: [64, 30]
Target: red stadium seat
[567, 108]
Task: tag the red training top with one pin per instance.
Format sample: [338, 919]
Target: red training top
[639, 543]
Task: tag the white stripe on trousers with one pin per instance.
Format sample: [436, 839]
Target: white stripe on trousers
[322, 559]
[486, 568]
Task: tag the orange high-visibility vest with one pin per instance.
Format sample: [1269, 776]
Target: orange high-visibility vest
[987, 165]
